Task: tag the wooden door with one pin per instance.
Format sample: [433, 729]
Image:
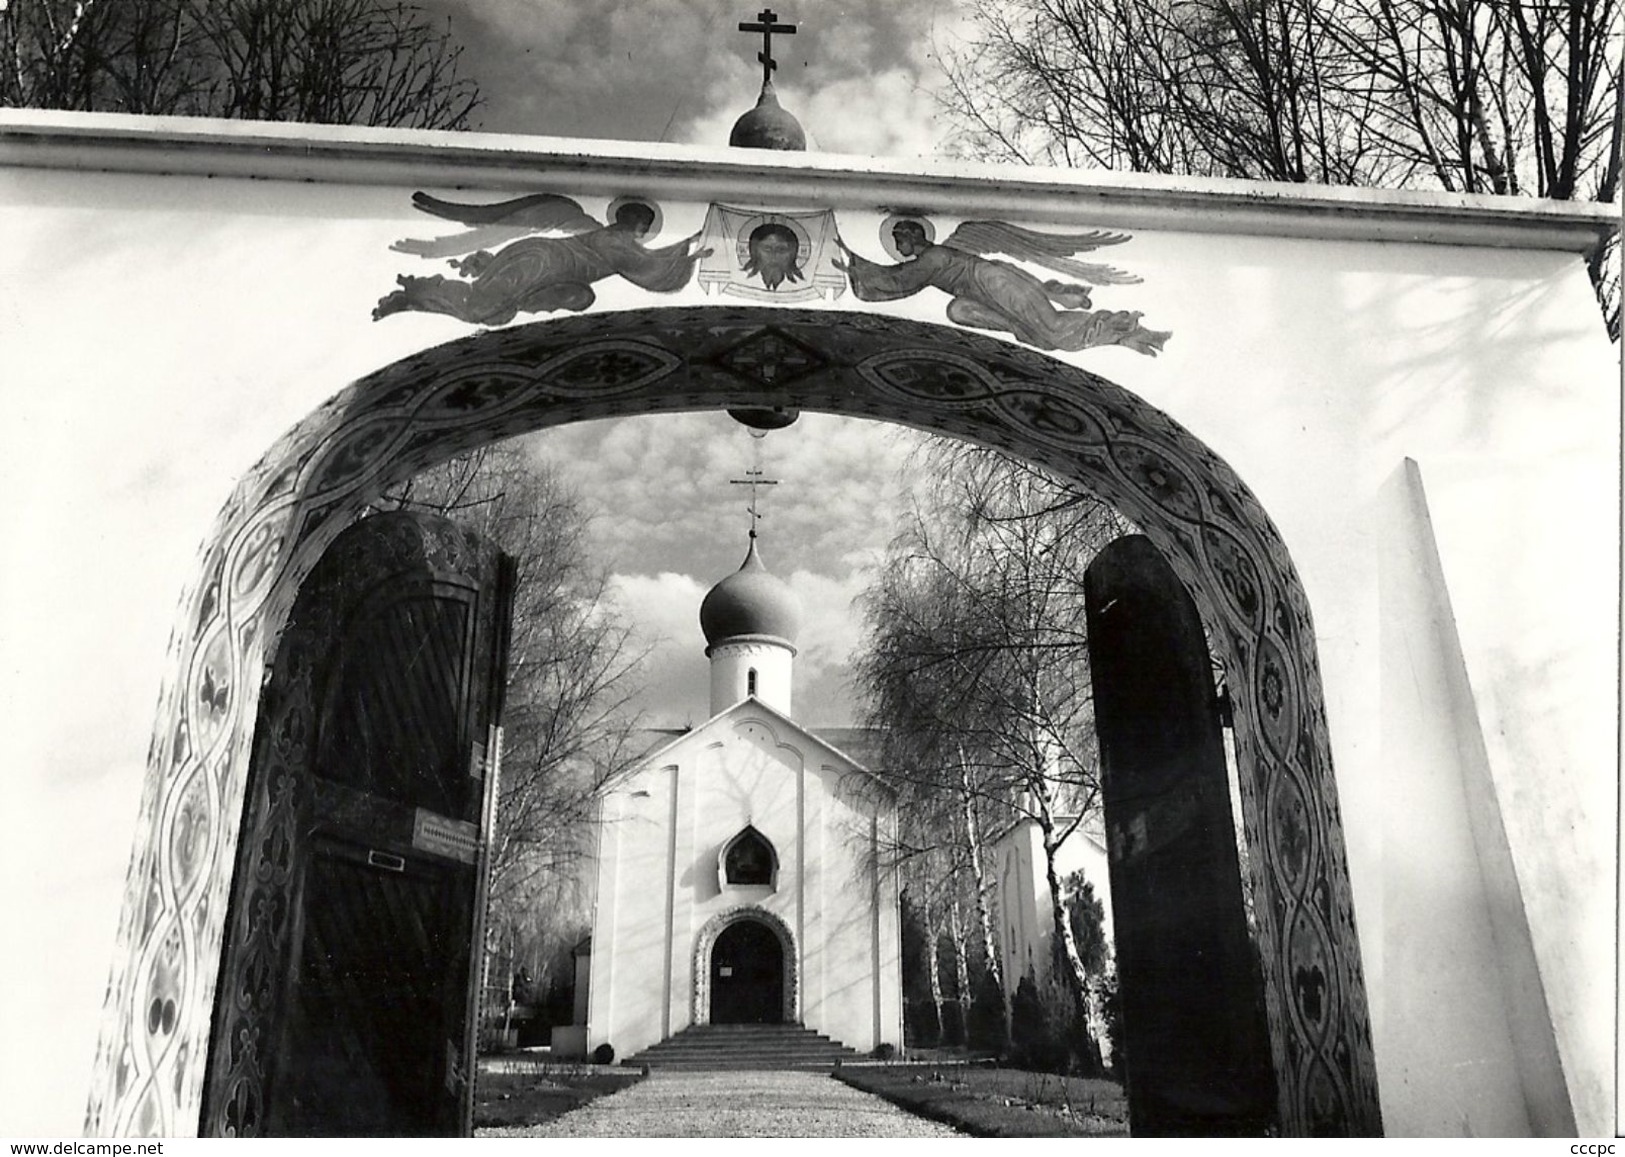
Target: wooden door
[747, 975]
[349, 979]
[1197, 1043]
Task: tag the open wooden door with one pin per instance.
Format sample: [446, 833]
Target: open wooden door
[348, 988]
[1196, 1039]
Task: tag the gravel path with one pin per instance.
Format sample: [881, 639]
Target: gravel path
[734, 1104]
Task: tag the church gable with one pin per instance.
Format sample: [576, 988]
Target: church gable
[777, 742]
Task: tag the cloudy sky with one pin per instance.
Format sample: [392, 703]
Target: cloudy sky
[680, 71]
[668, 523]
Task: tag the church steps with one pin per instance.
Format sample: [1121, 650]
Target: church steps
[744, 1047]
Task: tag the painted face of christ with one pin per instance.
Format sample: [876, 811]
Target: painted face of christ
[774, 254]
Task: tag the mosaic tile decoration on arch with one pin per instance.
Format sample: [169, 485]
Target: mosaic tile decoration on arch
[504, 382]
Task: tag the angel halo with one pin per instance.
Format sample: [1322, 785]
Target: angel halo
[889, 242]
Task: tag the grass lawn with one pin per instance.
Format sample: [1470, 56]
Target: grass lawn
[531, 1092]
[994, 1102]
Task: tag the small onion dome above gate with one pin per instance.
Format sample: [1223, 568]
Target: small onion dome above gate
[768, 126]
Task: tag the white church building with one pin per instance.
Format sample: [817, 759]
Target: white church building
[742, 875]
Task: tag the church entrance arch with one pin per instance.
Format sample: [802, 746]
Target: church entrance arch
[746, 970]
[432, 405]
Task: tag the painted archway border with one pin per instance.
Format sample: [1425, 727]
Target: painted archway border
[700, 1009]
[466, 393]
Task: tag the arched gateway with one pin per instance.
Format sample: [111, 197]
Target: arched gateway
[427, 407]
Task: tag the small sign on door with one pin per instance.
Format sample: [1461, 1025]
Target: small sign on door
[444, 836]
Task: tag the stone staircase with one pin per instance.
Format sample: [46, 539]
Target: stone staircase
[744, 1046]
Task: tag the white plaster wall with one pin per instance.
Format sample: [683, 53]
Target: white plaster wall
[1314, 369]
[156, 335]
[731, 665]
[1522, 481]
[744, 767]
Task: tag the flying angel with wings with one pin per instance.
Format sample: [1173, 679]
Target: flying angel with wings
[996, 295]
[548, 253]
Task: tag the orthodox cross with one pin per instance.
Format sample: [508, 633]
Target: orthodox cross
[753, 479]
[766, 26]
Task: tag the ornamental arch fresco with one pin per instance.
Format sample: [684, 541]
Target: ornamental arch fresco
[316, 480]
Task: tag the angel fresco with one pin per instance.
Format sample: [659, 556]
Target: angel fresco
[995, 295]
[528, 273]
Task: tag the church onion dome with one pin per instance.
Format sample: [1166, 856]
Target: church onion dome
[751, 603]
[768, 126]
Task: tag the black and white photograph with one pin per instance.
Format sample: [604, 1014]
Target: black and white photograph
[894, 569]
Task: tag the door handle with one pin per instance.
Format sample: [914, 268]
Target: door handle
[387, 861]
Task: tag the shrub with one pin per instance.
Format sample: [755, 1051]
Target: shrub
[883, 1052]
[603, 1054]
[1111, 1007]
[920, 1027]
[1037, 1033]
[984, 1024]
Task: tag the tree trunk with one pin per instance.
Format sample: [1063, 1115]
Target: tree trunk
[1070, 962]
[933, 967]
[956, 935]
[962, 977]
[984, 885]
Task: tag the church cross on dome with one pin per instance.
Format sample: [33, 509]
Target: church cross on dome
[766, 26]
[753, 479]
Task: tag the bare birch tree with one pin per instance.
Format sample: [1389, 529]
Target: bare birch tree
[937, 885]
[976, 665]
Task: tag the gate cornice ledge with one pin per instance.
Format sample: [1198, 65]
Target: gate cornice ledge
[203, 147]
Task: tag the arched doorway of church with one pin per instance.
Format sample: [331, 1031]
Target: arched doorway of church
[1203, 521]
[747, 975]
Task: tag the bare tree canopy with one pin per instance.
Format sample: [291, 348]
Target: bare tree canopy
[362, 62]
[976, 652]
[1516, 97]
[975, 669]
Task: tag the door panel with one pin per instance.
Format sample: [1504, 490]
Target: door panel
[344, 1005]
[1197, 1044]
[396, 719]
[383, 961]
[747, 975]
